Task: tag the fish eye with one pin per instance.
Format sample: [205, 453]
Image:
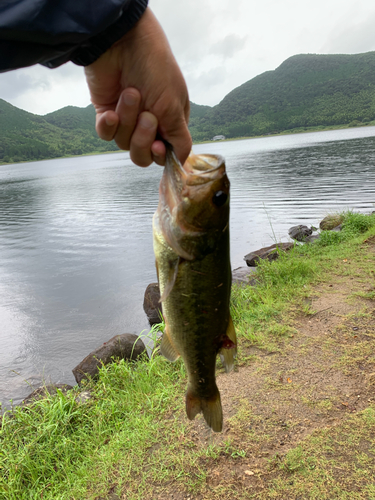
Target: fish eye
[219, 198]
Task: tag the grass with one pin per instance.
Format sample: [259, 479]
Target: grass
[64, 448]
[132, 434]
[335, 463]
[258, 311]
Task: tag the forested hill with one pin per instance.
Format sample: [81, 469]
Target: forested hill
[68, 131]
[304, 91]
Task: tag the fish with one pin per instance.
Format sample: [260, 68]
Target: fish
[191, 246]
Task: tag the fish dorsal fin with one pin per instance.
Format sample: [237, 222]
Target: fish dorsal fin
[228, 350]
[167, 349]
[171, 279]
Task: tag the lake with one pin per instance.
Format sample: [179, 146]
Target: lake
[76, 237]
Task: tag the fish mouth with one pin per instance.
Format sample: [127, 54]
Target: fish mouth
[198, 169]
[198, 164]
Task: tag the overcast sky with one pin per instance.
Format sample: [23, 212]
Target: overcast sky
[219, 45]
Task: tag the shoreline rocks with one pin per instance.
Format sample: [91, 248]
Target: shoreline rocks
[125, 346]
[300, 232]
[151, 305]
[44, 391]
[331, 222]
[244, 276]
[271, 253]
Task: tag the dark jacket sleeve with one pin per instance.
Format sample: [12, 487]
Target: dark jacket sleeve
[52, 32]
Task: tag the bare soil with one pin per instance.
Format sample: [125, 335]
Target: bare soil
[318, 378]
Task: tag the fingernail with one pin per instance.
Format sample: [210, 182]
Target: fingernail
[129, 99]
[146, 122]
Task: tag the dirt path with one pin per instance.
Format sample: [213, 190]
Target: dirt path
[318, 379]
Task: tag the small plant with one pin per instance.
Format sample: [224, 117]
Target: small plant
[238, 454]
[353, 224]
[356, 223]
[296, 460]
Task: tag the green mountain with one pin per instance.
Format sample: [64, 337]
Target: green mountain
[71, 117]
[65, 132]
[68, 131]
[304, 91]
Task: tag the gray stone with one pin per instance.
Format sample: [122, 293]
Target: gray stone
[312, 238]
[151, 305]
[83, 397]
[300, 232]
[126, 346]
[270, 253]
[244, 276]
[45, 391]
[330, 222]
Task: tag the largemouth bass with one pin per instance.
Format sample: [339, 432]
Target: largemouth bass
[191, 245]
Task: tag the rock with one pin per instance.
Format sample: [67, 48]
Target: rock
[331, 221]
[242, 276]
[45, 391]
[125, 346]
[151, 304]
[312, 238]
[269, 253]
[300, 232]
[337, 228]
[83, 397]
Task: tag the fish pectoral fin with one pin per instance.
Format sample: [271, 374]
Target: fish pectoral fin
[210, 407]
[228, 350]
[171, 279]
[167, 349]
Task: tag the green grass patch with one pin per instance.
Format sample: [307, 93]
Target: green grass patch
[63, 448]
[258, 312]
[132, 434]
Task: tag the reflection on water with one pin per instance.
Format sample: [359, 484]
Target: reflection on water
[76, 244]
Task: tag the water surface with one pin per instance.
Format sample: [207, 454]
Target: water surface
[76, 238]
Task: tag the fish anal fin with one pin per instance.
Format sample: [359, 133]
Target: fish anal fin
[210, 407]
[228, 347]
[167, 348]
[193, 405]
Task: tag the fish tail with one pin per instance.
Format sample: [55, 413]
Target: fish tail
[210, 407]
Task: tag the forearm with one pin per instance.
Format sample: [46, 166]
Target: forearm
[56, 31]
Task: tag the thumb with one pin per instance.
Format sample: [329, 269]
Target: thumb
[181, 141]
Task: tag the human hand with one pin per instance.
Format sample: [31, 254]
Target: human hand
[138, 91]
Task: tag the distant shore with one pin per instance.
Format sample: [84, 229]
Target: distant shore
[299, 130]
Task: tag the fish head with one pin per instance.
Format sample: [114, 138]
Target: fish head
[194, 203]
[197, 193]
[204, 198]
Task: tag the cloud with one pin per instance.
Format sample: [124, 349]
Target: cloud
[40, 90]
[351, 39]
[219, 44]
[15, 83]
[189, 28]
[229, 46]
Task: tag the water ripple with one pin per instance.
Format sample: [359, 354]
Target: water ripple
[76, 244]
